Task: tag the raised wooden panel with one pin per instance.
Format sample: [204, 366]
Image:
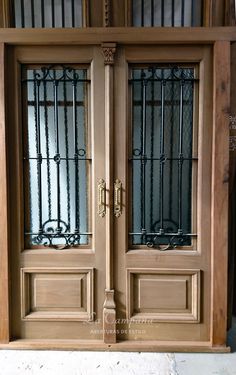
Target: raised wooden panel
[163, 295]
[56, 294]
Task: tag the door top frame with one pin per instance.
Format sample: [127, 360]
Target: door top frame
[120, 35]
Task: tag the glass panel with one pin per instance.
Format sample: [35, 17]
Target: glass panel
[56, 159]
[48, 13]
[161, 162]
[167, 12]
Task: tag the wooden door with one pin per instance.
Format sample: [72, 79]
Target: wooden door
[163, 168]
[57, 166]
[117, 162]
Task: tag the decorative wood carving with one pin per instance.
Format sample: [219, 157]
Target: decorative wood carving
[109, 318]
[109, 50]
[107, 13]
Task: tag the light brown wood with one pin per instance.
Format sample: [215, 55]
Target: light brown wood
[129, 35]
[218, 13]
[131, 346]
[6, 13]
[109, 312]
[85, 324]
[199, 258]
[163, 295]
[220, 179]
[4, 276]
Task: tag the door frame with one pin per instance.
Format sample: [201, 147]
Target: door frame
[220, 39]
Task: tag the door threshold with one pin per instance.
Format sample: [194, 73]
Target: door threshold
[122, 346]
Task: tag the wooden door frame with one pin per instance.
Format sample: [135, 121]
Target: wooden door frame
[220, 39]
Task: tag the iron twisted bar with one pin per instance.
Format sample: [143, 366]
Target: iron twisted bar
[57, 157]
[47, 150]
[67, 150]
[75, 157]
[180, 162]
[143, 156]
[38, 149]
[162, 156]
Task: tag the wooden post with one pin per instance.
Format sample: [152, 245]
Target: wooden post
[4, 290]
[109, 312]
[220, 178]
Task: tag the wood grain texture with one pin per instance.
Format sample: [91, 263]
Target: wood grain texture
[130, 346]
[220, 178]
[4, 289]
[129, 35]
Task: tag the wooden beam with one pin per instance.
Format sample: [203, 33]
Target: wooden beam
[129, 35]
[220, 179]
[232, 189]
[4, 289]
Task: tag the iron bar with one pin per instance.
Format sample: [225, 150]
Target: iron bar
[61, 158]
[61, 103]
[166, 79]
[180, 163]
[47, 150]
[166, 234]
[192, 13]
[182, 12]
[61, 80]
[162, 155]
[74, 85]
[38, 149]
[143, 162]
[173, 13]
[22, 14]
[162, 13]
[67, 152]
[166, 158]
[57, 156]
[73, 13]
[62, 13]
[32, 14]
[53, 12]
[152, 154]
[152, 13]
[142, 12]
[42, 14]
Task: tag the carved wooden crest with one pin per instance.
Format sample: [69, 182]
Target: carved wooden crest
[109, 50]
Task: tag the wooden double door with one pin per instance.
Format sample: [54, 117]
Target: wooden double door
[111, 158]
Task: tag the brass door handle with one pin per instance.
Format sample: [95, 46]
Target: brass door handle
[117, 198]
[101, 198]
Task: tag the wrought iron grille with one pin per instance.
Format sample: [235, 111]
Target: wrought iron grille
[48, 13]
[167, 13]
[162, 156]
[56, 158]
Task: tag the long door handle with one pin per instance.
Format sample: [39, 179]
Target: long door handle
[117, 198]
[101, 198]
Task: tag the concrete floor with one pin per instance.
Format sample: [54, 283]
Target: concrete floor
[96, 363]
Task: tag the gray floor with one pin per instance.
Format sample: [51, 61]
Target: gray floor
[96, 363]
